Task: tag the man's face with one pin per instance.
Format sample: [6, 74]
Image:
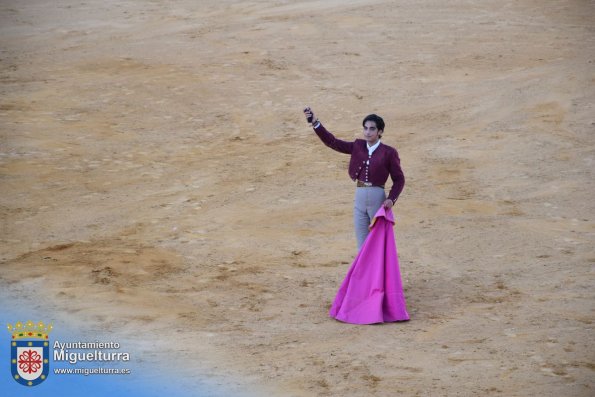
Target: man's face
[371, 132]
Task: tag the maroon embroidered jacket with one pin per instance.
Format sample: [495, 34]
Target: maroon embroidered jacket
[384, 161]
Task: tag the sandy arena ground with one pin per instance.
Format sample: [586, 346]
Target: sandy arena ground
[157, 174]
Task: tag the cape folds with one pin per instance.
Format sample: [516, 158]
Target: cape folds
[372, 291]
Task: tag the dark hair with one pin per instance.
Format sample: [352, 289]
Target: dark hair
[376, 119]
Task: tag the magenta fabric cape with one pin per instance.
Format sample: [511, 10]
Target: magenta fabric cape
[372, 291]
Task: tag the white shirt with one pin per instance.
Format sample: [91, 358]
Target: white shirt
[372, 148]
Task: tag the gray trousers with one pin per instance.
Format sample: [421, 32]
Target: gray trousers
[367, 202]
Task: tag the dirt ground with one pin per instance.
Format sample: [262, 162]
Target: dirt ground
[157, 174]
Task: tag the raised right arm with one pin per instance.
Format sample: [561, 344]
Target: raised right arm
[326, 137]
[329, 139]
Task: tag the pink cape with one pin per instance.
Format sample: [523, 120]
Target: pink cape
[372, 291]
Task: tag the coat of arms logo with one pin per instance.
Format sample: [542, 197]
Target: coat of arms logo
[29, 352]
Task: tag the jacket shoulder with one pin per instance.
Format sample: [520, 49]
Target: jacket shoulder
[360, 144]
[388, 148]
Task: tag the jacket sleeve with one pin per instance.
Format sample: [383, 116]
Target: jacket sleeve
[329, 140]
[397, 176]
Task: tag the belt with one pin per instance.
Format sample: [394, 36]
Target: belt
[367, 184]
